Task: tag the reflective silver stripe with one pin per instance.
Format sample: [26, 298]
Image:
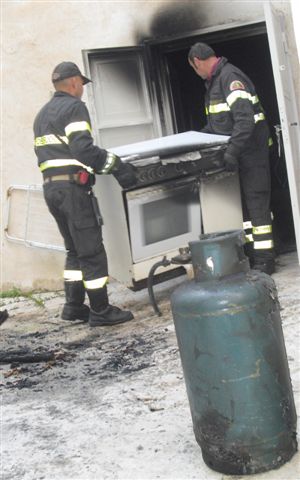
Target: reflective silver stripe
[220, 107]
[63, 162]
[262, 229]
[247, 225]
[249, 238]
[265, 244]
[110, 162]
[72, 275]
[97, 283]
[49, 140]
[77, 127]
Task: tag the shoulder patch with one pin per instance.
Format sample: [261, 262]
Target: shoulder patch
[236, 85]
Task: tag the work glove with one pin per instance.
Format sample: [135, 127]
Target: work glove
[125, 174]
[231, 162]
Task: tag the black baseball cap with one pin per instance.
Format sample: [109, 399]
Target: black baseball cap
[66, 70]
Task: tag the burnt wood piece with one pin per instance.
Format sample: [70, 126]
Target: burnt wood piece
[26, 356]
[3, 316]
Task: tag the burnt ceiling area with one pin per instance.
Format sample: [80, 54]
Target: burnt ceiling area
[172, 20]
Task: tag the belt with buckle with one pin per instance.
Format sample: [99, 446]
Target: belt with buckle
[71, 177]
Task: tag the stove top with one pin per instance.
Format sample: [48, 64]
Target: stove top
[170, 145]
[154, 170]
[175, 156]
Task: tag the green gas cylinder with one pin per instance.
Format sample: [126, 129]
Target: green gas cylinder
[228, 328]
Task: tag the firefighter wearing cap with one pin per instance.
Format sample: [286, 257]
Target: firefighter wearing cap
[68, 160]
[233, 108]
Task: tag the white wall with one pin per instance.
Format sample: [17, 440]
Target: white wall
[296, 22]
[37, 35]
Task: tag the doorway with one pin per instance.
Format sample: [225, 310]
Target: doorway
[249, 50]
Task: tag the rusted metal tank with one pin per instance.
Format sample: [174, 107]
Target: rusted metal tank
[233, 355]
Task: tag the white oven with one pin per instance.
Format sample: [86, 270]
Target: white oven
[170, 205]
[163, 217]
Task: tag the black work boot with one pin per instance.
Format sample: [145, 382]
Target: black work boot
[74, 309]
[265, 264]
[111, 315]
[249, 252]
[73, 312]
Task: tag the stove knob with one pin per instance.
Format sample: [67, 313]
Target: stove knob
[161, 171]
[151, 174]
[179, 168]
[142, 177]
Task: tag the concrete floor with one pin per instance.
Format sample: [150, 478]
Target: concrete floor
[113, 404]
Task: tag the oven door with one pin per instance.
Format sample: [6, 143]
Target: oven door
[163, 217]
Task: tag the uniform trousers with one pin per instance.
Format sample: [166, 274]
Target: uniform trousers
[255, 183]
[71, 206]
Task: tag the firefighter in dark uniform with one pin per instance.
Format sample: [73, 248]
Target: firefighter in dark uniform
[233, 108]
[68, 160]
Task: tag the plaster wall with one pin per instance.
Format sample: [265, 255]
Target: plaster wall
[37, 35]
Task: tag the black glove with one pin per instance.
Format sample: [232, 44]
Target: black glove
[231, 162]
[125, 174]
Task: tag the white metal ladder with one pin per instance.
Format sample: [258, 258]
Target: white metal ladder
[29, 221]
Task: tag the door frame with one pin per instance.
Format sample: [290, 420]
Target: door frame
[159, 47]
[287, 106]
[160, 90]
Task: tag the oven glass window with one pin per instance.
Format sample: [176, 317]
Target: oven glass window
[167, 217]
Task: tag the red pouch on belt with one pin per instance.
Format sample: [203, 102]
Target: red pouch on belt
[83, 177]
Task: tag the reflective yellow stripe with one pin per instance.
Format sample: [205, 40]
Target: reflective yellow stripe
[270, 142]
[77, 127]
[265, 244]
[110, 162]
[236, 94]
[49, 140]
[233, 96]
[97, 283]
[63, 162]
[262, 229]
[247, 224]
[258, 117]
[220, 107]
[72, 275]
[249, 238]
[56, 140]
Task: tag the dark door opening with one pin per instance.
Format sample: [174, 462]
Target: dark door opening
[251, 54]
